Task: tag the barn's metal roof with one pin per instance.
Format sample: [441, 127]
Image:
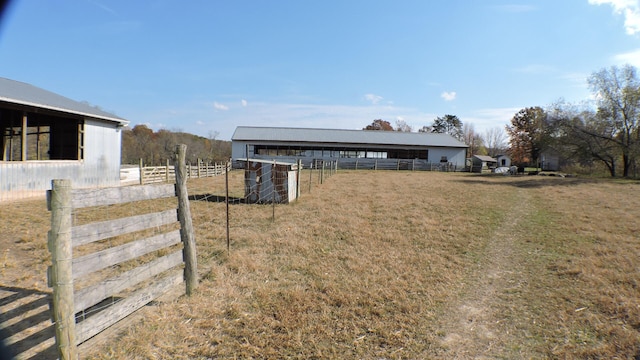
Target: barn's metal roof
[333, 136]
[17, 92]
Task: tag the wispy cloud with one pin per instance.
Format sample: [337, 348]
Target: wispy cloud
[484, 119]
[630, 9]
[243, 102]
[631, 58]
[372, 98]
[448, 95]
[103, 7]
[535, 69]
[218, 106]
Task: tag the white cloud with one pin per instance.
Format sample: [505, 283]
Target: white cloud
[243, 102]
[448, 95]
[372, 98]
[631, 58]
[218, 106]
[630, 9]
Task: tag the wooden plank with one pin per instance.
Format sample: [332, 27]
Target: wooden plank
[94, 294]
[102, 259]
[89, 233]
[117, 195]
[102, 320]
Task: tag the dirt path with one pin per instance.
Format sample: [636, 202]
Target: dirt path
[475, 325]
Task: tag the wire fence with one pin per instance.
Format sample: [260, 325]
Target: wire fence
[259, 186]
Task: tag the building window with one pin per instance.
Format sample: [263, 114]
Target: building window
[34, 136]
[443, 159]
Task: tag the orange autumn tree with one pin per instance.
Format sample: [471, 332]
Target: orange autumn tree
[528, 134]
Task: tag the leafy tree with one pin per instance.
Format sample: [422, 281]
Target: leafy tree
[425, 129]
[617, 93]
[528, 135]
[379, 124]
[583, 138]
[448, 124]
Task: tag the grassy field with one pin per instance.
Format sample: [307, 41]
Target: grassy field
[395, 265]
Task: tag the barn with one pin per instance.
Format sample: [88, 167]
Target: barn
[47, 136]
[395, 149]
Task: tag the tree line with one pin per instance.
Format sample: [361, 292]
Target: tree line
[492, 142]
[154, 148]
[584, 135]
[604, 132]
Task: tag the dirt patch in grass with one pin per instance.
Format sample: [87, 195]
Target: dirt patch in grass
[399, 265]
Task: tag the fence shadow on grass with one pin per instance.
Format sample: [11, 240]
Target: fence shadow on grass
[26, 329]
[217, 198]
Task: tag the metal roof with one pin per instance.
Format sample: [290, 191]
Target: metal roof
[17, 92]
[485, 158]
[333, 136]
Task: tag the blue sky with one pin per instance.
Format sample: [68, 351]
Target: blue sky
[210, 65]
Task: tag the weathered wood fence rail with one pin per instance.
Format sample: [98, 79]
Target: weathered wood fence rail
[166, 173]
[134, 288]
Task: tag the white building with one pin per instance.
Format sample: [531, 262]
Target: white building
[413, 150]
[46, 136]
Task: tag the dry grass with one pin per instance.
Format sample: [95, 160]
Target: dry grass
[379, 265]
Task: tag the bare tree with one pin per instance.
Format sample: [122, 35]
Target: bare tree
[617, 92]
[402, 126]
[495, 141]
[473, 140]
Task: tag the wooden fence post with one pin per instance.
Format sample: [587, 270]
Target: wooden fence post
[186, 225]
[166, 174]
[61, 277]
[299, 172]
[141, 172]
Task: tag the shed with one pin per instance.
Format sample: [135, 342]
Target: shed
[270, 181]
[47, 136]
[483, 163]
[503, 160]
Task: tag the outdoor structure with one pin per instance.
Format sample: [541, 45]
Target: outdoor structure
[270, 181]
[347, 147]
[503, 160]
[47, 136]
[483, 163]
[549, 161]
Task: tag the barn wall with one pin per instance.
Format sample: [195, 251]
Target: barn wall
[102, 149]
[100, 167]
[455, 156]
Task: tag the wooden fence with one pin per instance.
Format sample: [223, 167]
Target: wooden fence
[166, 173]
[156, 276]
